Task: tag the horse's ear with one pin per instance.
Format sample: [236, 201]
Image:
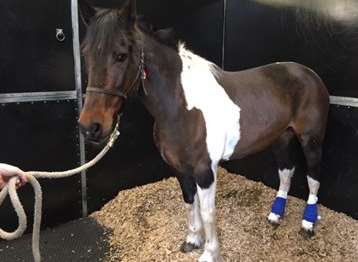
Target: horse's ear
[86, 11]
[167, 36]
[129, 11]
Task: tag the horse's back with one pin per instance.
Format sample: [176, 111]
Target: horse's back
[280, 73]
[286, 82]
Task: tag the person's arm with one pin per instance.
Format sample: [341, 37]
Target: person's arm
[8, 171]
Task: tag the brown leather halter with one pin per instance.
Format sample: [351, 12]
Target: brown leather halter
[114, 92]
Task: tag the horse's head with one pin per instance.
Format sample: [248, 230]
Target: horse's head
[113, 61]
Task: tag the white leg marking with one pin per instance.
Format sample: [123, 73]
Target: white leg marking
[313, 186]
[195, 225]
[285, 181]
[208, 212]
[285, 184]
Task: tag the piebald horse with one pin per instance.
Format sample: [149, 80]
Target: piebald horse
[202, 114]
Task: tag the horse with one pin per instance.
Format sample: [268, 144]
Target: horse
[202, 114]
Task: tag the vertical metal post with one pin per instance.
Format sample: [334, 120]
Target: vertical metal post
[224, 35]
[78, 79]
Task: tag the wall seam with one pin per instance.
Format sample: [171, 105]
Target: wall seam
[78, 79]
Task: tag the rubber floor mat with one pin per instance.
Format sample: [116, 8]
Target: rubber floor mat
[80, 240]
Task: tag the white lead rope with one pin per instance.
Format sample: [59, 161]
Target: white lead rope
[32, 176]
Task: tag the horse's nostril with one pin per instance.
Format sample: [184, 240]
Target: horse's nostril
[91, 132]
[95, 127]
[96, 130]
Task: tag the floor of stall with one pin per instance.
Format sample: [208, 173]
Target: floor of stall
[148, 223]
[80, 240]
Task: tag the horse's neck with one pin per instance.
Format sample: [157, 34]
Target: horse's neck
[164, 97]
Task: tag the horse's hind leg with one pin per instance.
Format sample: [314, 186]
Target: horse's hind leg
[312, 148]
[310, 126]
[194, 239]
[286, 169]
[311, 135]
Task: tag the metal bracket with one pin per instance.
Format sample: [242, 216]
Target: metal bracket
[60, 35]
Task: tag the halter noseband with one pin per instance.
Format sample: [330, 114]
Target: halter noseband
[114, 92]
[97, 90]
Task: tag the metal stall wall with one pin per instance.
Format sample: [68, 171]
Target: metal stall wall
[321, 34]
[38, 103]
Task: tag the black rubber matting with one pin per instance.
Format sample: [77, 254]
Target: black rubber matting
[80, 240]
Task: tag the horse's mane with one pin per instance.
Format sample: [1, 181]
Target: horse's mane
[165, 36]
[102, 31]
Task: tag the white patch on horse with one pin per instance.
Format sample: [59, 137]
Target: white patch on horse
[313, 186]
[207, 211]
[221, 114]
[195, 224]
[285, 182]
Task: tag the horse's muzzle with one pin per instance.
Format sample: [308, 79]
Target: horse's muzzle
[93, 133]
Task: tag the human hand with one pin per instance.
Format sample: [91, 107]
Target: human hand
[8, 171]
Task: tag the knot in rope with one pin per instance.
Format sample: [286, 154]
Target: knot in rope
[32, 176]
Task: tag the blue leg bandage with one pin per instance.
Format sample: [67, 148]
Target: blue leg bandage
[278, 206]
[311, 213]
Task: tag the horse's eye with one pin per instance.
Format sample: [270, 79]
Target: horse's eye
[119, 58]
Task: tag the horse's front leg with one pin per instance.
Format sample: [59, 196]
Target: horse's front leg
[194, 239]
[206, 185]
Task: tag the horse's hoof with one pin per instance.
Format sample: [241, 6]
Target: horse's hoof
[306, 234]
[208, 257]
[310, 217]
[188, 247]
[274, 225]
[274, 220]
[307, 229]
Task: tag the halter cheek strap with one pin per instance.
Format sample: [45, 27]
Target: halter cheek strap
[141, 75]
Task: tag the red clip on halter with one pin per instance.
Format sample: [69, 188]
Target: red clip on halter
[114, 92]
